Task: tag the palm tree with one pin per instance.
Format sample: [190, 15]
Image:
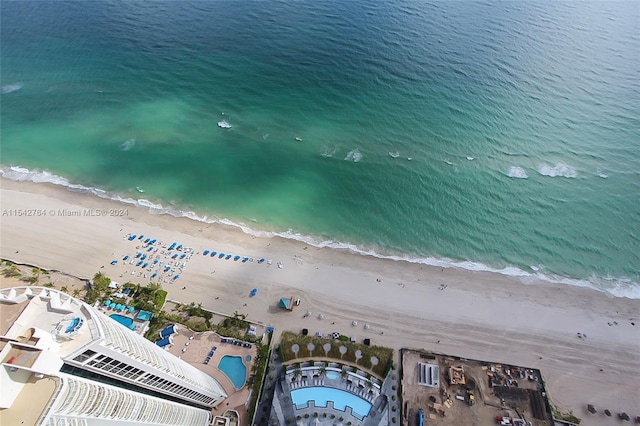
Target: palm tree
[297, 373]
[76, 292]
[64, 289]
[322, 371]
[344, 373]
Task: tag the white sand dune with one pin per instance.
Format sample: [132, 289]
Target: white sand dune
[478, 315]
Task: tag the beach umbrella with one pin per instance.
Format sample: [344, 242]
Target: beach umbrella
[354, 323]
[176, 277]
[125, 257]
[107, 302]
[138, 254]
[112, 305]
[155, 261]
[320, 316]
[175, 256]
[179, 247]
[150, 248]
[254, 292]
[141, 237]
[261, 260]
[147, 240]
[145, 265]
[591, 409]
[367, 326]
[131, 309]
[155, 274]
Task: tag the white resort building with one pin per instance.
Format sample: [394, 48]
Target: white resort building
[66, 363]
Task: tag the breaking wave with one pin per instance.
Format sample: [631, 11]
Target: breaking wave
[517, 172]
[354, 156]
[618, 287]
[559, 170]
[11, 88]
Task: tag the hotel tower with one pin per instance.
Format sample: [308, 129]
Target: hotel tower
[66, 363]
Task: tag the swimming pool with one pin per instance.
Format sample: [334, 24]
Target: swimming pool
[234, 369]
[126, 321]
[332, 375]
[341, 399]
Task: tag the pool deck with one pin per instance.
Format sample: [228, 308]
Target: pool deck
[194, 347]
[355, 383]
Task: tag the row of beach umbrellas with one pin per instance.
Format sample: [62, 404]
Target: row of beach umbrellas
[118, 306]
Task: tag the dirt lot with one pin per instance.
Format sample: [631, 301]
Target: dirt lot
[510, 394]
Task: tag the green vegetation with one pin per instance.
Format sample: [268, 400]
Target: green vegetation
[384, 355]
[258, 373]
[10, 270]
[568, 417]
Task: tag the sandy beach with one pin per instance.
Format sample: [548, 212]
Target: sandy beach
[470, 314]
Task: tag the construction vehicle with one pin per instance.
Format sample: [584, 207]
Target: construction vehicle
[471, 399]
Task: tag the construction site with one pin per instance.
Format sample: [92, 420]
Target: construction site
[445, 390]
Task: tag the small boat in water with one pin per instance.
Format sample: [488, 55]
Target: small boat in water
[298, 138]
[139, 189]
[224, 124]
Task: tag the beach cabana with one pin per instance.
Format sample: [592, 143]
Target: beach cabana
[206, 252]
[176, 277]
[228, 256]
[221, 255]
[235, 258]
[126, 257]
[214, 253]
[168, 331]
[114, 261]
[261, 260]
[286, 303]
[141, 236]
[245, 259]
[254, 292]
[155, 274]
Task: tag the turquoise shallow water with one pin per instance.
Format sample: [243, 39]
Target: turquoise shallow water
[492, 135]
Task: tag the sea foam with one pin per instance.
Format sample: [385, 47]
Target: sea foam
[354, 156]
[128, 144]
[617, 287]
[559, 170]
[11, 88]
[517, 172]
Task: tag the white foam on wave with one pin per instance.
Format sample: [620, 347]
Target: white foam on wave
[559, 170]
[617, 287]
[517, 173]
[128, 144]
[602, 175]
[354, 156]
[11, 88]
[329, 151]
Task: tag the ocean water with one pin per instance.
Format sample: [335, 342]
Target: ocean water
[491, 135]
